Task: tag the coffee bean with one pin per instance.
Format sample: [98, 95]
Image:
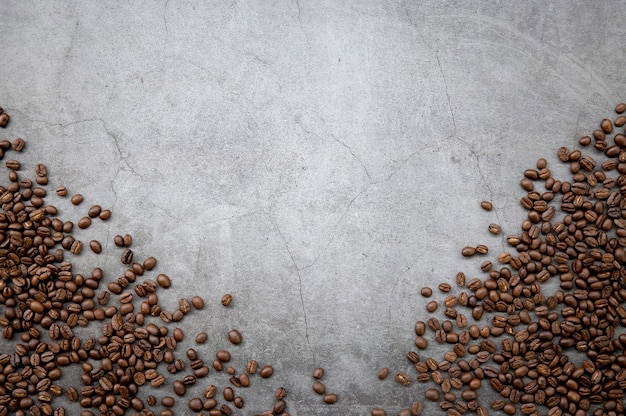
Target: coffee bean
[61, 191]
[403, 378]
[195, 404]
[486, 205]
[468, 251]
[197, 302]
[168, 401]
[234, 336]
[426, 292]
[378, 412]
[105, 214]
[432, 306]
[266, 371]
[95, 246]
[330, 398]
[76, 199]
[432, 394]
[163, 281]
[201, 337]
[227, 299]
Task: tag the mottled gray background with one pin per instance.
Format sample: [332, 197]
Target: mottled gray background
[321, 161]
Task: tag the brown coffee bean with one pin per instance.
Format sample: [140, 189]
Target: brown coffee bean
[378, 412]
[61, 191]
[223, 356]
[432, 394]
[201, 338]
[234, 336]
[127, 256]
[330, 398]
[94, 211]
[105, 214]
[95, 246]
[227, 299]
[486, 205]
[421, 342]
[76, 199]
[468, 251]
[432, 306]
[266, 371]
[383, 373]
[426, 292]
[197, 302]
[403, 378]
[195, 404]
[168, 401]
[163, 281]
[495, 229]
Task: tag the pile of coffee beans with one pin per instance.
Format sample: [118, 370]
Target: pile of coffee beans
[541, 333]
[44, 301]
[544, 330]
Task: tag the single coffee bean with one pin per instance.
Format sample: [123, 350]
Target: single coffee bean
[195, 404]
[403, 378]
[426, 292]
[444, 287]
[127, 256]
[61, 191]
[378, 412]
[76, 199]
[227, 299]
[234, 336]
[105, 214]
[266, 371]
[251, 366]
[163, 281]
[468, 251]
[432, 394]
[318, 373]
[168, 401]
[197, 302]
[149, 263]
[201, 338]
[432, 306]
[223, 356]
[330, 398]
[486, 205]
[383, 373]
[95, 246]
[179, 388]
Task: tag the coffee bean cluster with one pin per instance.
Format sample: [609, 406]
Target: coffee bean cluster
[134, 354]
[544, 330]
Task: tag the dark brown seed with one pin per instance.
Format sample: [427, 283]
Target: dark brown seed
[127, 256]
[95, 246]
[105, 214]
[426, 292]
[201, 338]
[486, 205]
[195, 404]
[163, 281]
[383, 373]
[432, 306]
[468, 251]
[76, 199]
[330, 398]
[318, 373]
[197, 302]
[149, 263]
[234, 336]
[61, 191]
[432, 394]
[179, 388]
[94, 211]
[227, 299]
[403, 378]
[266, 371]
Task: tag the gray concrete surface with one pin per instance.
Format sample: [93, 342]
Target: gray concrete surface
[321, 161]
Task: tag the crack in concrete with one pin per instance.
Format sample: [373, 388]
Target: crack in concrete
[295, 264]
[299, 10]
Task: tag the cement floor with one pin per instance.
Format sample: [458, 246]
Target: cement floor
[320, 161]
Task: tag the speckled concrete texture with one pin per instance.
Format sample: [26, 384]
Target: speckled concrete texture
[319, 160]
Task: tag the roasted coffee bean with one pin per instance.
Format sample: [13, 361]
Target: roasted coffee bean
[403, 378]
[319, 387]
[383, 373]
[486, 205]
[432, 394]
[163, 281]
[330, 398]
[427, 292]
[234, 336]
[266, 371]
[76, 199]
[318, 373]
[197, 302]
[201, 338]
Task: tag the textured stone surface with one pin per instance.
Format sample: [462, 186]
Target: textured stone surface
[321, 161]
